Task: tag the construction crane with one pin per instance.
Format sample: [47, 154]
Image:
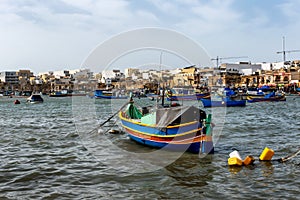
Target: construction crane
[218, 59]
[284, 51]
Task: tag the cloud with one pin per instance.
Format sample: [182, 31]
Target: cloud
[62, 32]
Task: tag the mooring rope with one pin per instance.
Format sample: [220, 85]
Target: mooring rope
[286, 158]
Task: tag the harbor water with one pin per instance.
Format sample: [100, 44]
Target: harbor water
[44, 154]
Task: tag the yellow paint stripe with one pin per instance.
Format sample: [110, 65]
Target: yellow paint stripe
[176, 135]
[154, 126]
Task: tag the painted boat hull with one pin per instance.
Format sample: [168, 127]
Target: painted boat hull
[107, 94]
[263, 99]
[192, 97]
[226, 103]
[184, 137]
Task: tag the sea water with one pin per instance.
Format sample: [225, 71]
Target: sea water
[43, 154]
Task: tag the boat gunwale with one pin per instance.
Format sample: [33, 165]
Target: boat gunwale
[154, 126]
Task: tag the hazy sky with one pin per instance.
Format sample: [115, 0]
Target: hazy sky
[44, 35]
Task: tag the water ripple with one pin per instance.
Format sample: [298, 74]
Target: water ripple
[43, 157]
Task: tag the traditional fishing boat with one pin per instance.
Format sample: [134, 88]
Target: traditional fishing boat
[227, 98]
[185, 94]
[62, 93]
[224, 102]
[269, 97]
[188, 97]
[108, 94]
[179, 128]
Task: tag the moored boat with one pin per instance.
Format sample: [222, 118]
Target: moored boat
[185, 94]
[108, 94]
[227, 98]
[224, 102]
[63, 93]
[188, 97]
[267, 98]
[35, 98]
[180, 128]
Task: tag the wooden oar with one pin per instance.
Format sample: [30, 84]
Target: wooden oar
[113, 115]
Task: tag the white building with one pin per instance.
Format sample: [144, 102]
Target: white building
[111, 74]
[9, 77]
[246, 68]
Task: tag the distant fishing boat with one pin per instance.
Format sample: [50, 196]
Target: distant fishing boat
[180, 128]
[224, 102]
[191, 97]
[63, 93]
[269, 97]
[108, 94]
[185, 94]
[227, 98]
[35, 98]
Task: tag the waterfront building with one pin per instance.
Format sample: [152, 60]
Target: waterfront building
[188, 76]
[10, 77]
[245, 68]
[114, 75]
[25, 77]
[11, 80]
[129, 72]
[61, 84]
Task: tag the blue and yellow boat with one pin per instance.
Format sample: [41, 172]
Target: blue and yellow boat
[108, 94]
[271, 97]
[180, 128]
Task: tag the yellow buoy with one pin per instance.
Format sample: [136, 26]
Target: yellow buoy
[235, 161]
[266, 155]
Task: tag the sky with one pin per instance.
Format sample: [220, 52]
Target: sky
[50, 35]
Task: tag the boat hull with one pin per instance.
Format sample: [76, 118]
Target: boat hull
[107, 94]
[35, 98]
[193, 97]
[218, 103]
[263, 99]
[189, 147]
[184, 137]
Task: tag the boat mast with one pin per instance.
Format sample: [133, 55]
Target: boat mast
[163, 88]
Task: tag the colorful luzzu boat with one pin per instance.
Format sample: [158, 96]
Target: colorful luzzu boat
[181, 128]
[188, 97]
[107, 94]
[269, 97]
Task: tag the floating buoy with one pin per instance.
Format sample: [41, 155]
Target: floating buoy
[235, 159]
[266, 155]
[235, 154]
[248, 160]
[17, 101]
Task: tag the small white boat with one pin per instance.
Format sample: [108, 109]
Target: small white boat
[35, 98]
